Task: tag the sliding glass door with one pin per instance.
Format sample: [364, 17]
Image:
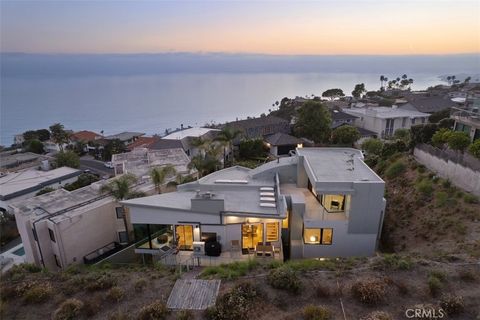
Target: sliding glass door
[184, 234]
[252, 234]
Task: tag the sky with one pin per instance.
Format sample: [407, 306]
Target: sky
[351, 27]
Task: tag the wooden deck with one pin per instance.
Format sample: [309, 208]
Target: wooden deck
[193, 294]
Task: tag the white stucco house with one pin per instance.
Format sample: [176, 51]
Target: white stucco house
[321, 202]
[385, 120]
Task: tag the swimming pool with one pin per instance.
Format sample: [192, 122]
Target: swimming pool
[19, 252]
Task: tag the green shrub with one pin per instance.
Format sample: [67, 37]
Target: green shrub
[470, 198]
[39, 292]
[378, 315]
[446, 184]
[99, 282]
[115, 294]
[372, 146]
[185, 315]
[425, 187]
[474, 148]
[370, 291]
[394, 262]
[230, 271]
[156, 310]
[435, 284]
[441, 198]
[235, 304]
[68, 310]
[284, 278]
[395, 169]
[458, 141]
[312, 312]
[452, 304]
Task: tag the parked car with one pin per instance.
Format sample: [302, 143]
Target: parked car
[108, 164]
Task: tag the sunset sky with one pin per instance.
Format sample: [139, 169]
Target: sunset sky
[273, 27]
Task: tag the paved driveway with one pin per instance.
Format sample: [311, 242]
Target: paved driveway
[96, 166]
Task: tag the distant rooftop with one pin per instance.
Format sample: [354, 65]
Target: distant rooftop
[9, 159]
[124, 136]
[386, 112]
[190, 132]
[163, 143]
[337, 164]
[282, 139]
[19, 183]
[140, 161]
[142, 142]
[85, 136]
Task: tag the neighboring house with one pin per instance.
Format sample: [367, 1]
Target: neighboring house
[185, 136]
[61, 228]
[427, 103]
[126, 137]
[85, 136]
[13, 161]
[339, 118]
[468, 122]
[385, 120]
[25, 184]
[140, 161]
[322, 202]
[282, 143]
[142, 142]
[161, 144]
[257, 128]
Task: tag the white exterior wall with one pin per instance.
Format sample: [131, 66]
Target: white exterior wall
[378, 125]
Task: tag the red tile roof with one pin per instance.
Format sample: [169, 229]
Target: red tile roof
[142, 142]
[85, 136]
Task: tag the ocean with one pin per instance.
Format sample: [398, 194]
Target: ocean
[153, 101]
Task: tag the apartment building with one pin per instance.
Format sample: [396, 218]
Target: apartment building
[321, 202]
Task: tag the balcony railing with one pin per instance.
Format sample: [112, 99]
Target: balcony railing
[103, 252]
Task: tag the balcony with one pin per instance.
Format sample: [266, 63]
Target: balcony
[102, 253]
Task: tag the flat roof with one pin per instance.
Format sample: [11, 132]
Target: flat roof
[8, 159]
[338, 165]
[386, 112]
[19, 183]
[190, 132]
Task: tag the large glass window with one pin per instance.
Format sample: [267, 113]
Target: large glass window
[184, 237]
[318, 236]
[153, 236]
[252, 234]
[334, 202]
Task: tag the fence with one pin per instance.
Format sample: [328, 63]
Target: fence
[463, 170]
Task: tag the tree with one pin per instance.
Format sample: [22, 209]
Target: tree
[439, 115]
[43, 134]
[227, 135]
[359, 90]
[333, 94]
[467, 80]
[422, 133]
[159, 175]
[204, 164]
[346, 135]
[252, 149]
[402, 134]
[474, 148]
[35, 146]
[83, 180]
[59, 135]
[441, 137]
[372, 146]
[113, 147]
[382, 82]
[458, 141]
[30, 135]
[67, 159]
[120, 188]
[313, 122]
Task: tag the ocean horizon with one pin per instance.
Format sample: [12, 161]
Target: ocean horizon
[114, 93]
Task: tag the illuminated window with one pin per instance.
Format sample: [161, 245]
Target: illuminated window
[334, 202]
[272, 231]
[318, 236]
[285, 221]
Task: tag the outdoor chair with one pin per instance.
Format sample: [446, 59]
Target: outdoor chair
[235, 245]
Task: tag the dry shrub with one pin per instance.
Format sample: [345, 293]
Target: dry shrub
[38, 292]
[378, 315]
[68, 310]
[235, 304]
[452, 304]
[118, 315]
[312, 312]
[140, 284]
[284, 278]
[156, 310]
[92, 305]
[185, 315]
[322, 291]
[115, 294]
[369, 291]
[99, 282]
[467, 276]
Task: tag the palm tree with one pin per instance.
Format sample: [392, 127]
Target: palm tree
[159, 174]
[120, 188]
[228, 135]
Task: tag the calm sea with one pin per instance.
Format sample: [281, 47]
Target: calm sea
[153, 103]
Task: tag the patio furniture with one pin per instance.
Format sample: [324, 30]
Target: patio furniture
[276, 247]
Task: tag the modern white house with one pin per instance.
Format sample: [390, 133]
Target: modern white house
[186, 135]
[321, 202]
[385, 120]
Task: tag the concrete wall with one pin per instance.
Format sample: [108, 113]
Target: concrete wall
[461, 176]
[366, 208]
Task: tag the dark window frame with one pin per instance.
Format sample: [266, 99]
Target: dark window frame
[52, 235]
[122, 212]
[57, 262]
[120, 236]
[321, 243]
